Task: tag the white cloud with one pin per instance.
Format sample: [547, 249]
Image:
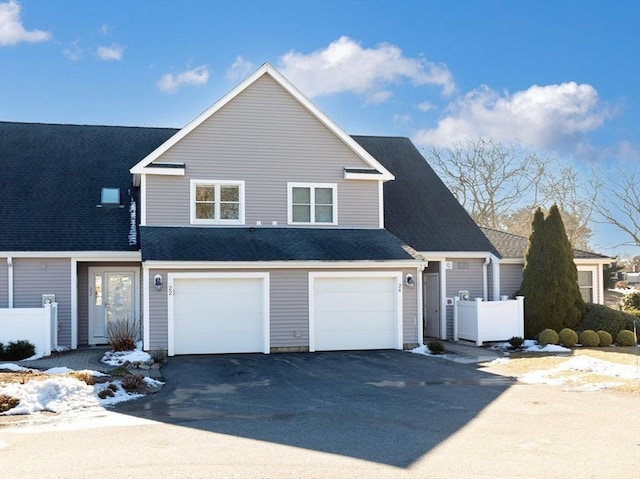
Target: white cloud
[399, 119]
[73, 52]
[105, 29]
[344, 66]
[425, 106]
[240, 69]
[11, 29]
[548, 117]
[170, 83]
[113, 52]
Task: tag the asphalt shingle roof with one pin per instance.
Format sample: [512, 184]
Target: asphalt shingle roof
[270, 244]
[515, 246]
[418, 207]
[51, 178]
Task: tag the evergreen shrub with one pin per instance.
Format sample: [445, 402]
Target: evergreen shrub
[626, 338]
[601, 317]
[606, 339]
[568, 337]
[548, 336]
[589, 338]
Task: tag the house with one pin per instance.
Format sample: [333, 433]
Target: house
[513, 247]
[258, 227]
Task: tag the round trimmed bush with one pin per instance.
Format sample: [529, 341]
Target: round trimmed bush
[547, 336]
[626, 338]
[605, 338]
[589, 338]
[568, 337]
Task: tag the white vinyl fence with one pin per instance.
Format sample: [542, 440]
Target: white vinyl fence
[482, 321]
[37, 325]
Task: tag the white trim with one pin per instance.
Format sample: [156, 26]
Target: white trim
[164, 171]
[265, 69]
[397, 275]
[79, 255]
[596, 284]
[362, 176]
[365, 264]
[420, 300]
[495, 269]
[443, 300]
[74, 303]
[216, 183]
[146, 326]
[10, 281]
[381, 204]
[266, 338]
[143, 200]
[312, 187]
[444, 255]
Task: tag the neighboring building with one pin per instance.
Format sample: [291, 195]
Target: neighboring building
[512, 248]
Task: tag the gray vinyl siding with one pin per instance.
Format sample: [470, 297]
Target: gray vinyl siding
[4, 283]
[158, 319]
[510, 278]
[265, 138]
[33, 277]
[289, 307]
[466, 275]
[410, 325]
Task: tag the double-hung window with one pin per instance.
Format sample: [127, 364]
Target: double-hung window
[217, 202]
[312, 203]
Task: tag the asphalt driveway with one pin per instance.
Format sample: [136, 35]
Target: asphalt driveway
[389, 407]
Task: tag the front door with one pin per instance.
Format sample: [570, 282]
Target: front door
[432, 305]
[113, 299]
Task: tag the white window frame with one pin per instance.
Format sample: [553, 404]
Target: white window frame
[312, 187]
[216, 220]
[595, 284]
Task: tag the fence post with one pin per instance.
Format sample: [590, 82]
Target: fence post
[48, 330]
[455, 318]
[520, 328]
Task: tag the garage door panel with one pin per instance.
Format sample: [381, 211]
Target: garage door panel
[358, 321]
[356, 301]
[218, 315]
[355, 313]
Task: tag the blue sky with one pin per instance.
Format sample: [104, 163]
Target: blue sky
[561, 77]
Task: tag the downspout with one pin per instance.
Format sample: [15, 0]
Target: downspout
[10, 280]
[485, 281]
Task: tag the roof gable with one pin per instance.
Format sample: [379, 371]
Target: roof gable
[270, 72]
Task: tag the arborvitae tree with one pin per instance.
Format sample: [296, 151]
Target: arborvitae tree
[550, 278]
[534, 280]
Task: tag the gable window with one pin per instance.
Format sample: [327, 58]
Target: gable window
[312, 203]
[217, 202]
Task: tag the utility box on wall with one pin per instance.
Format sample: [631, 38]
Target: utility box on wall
[48, 299]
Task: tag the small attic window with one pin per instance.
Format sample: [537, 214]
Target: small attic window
[110, 197]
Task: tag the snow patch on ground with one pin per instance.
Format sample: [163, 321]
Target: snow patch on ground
[118, 358]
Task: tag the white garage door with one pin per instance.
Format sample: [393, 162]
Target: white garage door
[217, 315]
[351, 313]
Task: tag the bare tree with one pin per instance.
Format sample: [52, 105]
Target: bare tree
[488, 178]
[501, 185]
[618, 201]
